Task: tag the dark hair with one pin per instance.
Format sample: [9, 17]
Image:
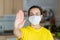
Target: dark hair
[34, 7]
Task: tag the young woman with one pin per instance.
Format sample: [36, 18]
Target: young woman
[34, 31]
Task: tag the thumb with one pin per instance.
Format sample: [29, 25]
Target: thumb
[24, 21]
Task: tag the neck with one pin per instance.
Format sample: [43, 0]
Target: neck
[36, 26]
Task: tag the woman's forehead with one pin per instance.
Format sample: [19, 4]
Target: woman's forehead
[35, 10]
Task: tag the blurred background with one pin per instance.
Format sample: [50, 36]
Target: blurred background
[9, 8]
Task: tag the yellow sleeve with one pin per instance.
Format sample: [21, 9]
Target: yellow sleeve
[50, 36]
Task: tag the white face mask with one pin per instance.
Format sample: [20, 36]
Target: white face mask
[35, 19]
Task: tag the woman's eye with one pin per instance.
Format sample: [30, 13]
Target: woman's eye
[31, 14]
[37, 14]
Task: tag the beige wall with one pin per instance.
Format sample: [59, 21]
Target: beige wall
[59, 7]
[10, 6]
[17, 5]
[1, 7]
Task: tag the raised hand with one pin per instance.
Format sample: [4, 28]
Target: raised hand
[19, 21]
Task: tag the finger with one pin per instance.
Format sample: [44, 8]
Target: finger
[19, 18]
[22, 24]
[20, 15]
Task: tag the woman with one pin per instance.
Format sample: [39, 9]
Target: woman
[34, 31]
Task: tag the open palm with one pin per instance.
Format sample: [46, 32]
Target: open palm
[19, 21]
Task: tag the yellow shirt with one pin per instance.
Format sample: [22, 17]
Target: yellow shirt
[29, 33]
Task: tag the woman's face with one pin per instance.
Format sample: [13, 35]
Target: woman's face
[35, 14]
[35, 11]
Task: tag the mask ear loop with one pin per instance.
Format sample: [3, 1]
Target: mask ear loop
[41, 19]
[42, 16]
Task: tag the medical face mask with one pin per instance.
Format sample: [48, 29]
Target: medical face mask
[35, 19]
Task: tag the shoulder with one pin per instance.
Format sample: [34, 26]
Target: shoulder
[46, 30]
[48, 33]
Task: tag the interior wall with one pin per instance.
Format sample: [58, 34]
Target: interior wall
[58, 14]
[10, 6]
[1, 7]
